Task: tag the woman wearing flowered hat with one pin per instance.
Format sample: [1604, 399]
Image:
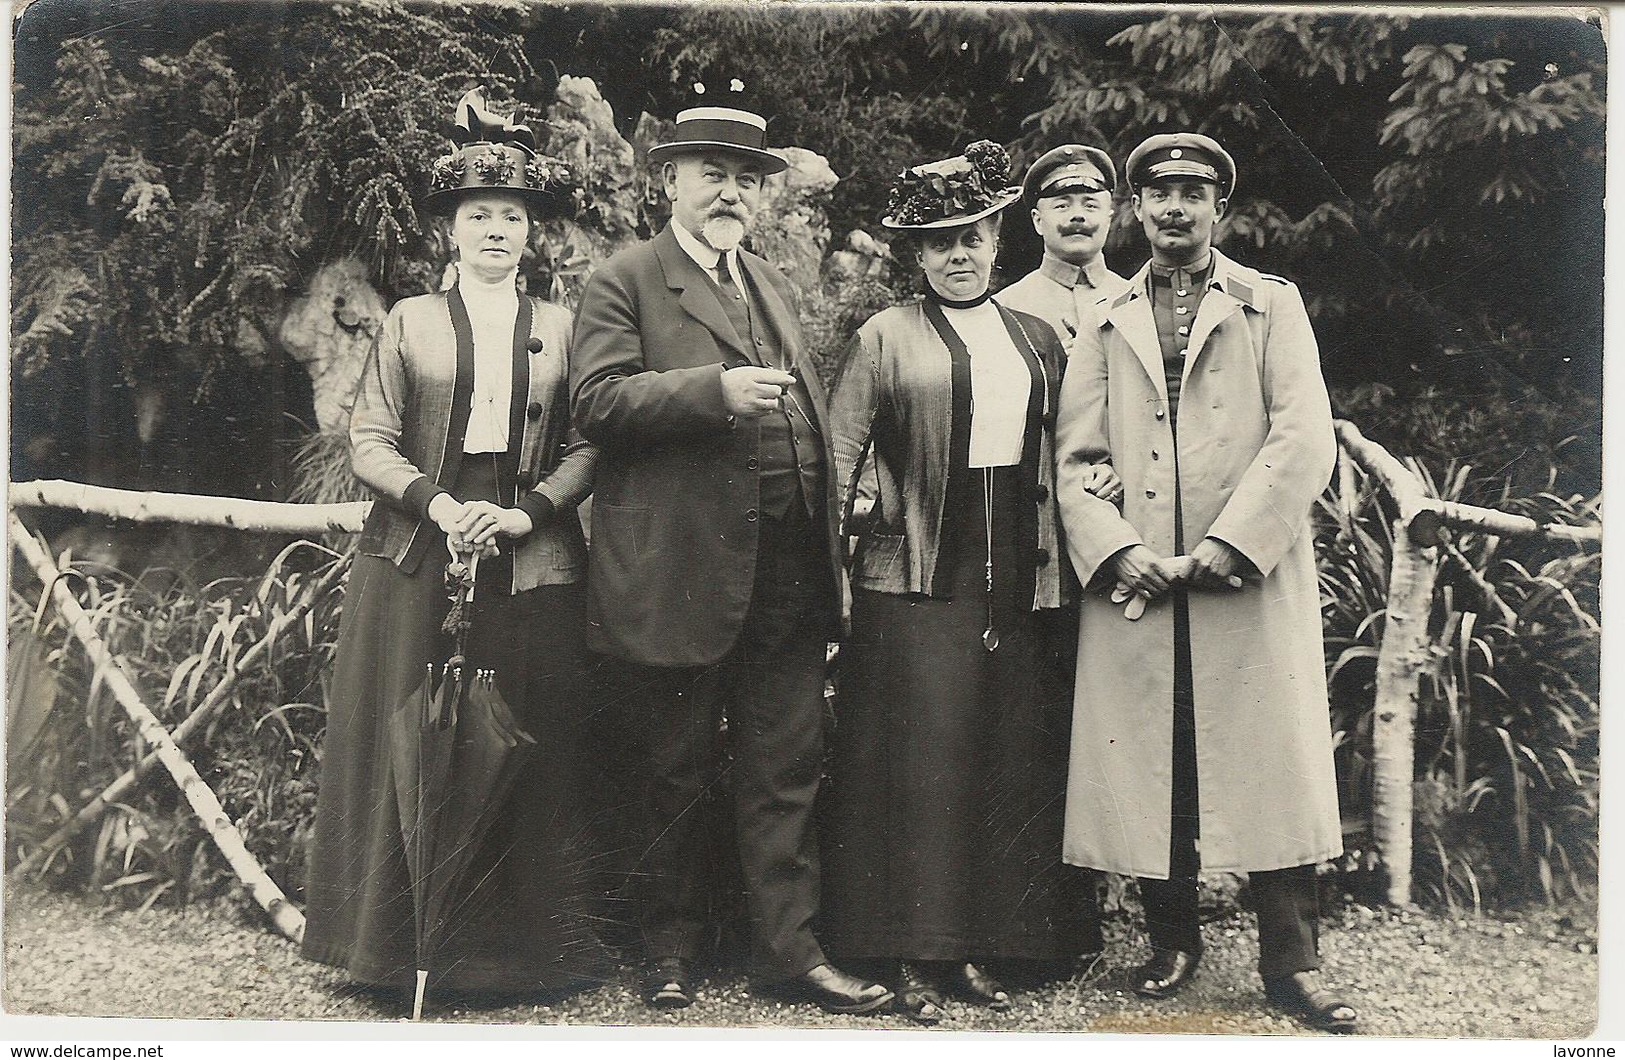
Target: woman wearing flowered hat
[461, 430]
[949, 750]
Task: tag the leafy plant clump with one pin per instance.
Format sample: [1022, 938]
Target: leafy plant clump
[177, 640]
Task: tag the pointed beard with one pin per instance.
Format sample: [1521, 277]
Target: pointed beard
[723, 233]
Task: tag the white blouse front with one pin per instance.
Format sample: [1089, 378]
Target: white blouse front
[492, 311]
[1000, 385]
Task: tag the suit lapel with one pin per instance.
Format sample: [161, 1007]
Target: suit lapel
[781, 317]
[699, 295]
[1131, 316]
[777, 313]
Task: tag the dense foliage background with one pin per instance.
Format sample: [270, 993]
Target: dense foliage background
[214, 202]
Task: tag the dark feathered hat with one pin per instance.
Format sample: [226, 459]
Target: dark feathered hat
[953, 191]
[493, 152]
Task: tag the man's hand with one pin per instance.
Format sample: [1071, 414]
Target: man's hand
[1216, 565]
[1101, 481]
[1142, 571]
[750, 391]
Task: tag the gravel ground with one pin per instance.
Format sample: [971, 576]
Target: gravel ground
[1411, 974]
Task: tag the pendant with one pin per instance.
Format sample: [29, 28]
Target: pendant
[990, 639]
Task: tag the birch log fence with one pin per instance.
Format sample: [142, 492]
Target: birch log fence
[1402, 658]
[1404, 655]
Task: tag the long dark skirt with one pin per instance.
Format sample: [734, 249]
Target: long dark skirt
[523, 924]
[943, 815]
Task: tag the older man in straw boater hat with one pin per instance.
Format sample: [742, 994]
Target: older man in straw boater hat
[714, 578]
[1201, 737]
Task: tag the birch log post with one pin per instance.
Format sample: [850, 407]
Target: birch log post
[127, 781]
[153, 507]
[288, 920]
[1401, 657]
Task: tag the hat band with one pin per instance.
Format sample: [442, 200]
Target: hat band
[720, 130]
[1182, 168]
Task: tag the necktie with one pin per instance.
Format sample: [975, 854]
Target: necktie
[725, 280]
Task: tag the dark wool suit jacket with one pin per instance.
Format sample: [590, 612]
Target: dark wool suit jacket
[674, 521]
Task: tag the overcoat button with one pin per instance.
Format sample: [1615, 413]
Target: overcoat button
[534, 345]
[751, 464]
[1160, 414]
[1040, 493]
[526, 480]
[534, 410]
[1155, 455]
[1041, 555]
[1150, 495]
[750, 515]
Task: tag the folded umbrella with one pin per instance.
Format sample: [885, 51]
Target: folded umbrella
[455, 751]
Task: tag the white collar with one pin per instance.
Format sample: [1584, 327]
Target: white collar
[704, 256]
[505, 289]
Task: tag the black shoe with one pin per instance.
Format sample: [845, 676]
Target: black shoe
[1304, 995]
[974, 984]
[1165, 973]
[667, 983]
[834, 991]
[917, 996]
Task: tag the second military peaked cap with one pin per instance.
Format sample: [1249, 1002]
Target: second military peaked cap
[1066, 169]
[1181, 155]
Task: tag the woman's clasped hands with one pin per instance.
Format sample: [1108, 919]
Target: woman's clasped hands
[473, 526]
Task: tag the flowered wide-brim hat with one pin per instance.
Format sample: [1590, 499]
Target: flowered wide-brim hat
[952, 192]
[494, 152]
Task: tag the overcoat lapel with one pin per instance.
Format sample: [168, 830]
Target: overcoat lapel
[1217, 304]
[1131, 316]
[699, 296]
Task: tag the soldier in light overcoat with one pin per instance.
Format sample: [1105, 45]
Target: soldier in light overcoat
[1200, 736]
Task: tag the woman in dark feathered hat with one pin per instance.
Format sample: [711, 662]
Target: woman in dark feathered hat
[949, 751]
[461, 429]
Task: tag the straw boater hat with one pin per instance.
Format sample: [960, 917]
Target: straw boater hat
[727, 128]
[952, 192]
[1187, 155]
[494, 152]
[1067, 169]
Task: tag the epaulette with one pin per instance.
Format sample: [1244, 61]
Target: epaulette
[1282, 280]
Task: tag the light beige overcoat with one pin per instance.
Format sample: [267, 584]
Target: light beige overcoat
[1255, 449]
